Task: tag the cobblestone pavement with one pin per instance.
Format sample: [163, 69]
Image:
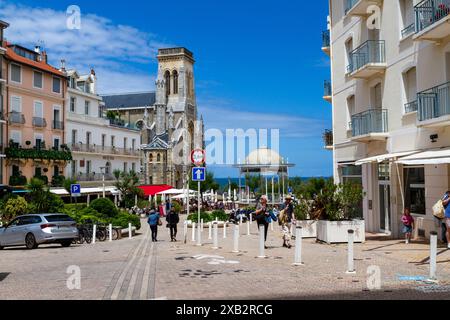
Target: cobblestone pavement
[139, 269]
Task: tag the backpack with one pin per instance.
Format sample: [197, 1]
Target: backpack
[438, 210]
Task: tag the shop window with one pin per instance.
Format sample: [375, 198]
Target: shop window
[415, 189]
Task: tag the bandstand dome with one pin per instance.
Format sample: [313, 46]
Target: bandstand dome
[263, 156]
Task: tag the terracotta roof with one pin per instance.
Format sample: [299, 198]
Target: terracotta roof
[11, 55]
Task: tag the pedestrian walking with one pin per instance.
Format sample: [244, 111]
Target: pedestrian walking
[283, 220]
[408, 225]
[172, 220]
[154, 221]
[288, 208]
[446, 203]
[262, 216]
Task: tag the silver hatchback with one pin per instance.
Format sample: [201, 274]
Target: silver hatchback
[35, 229]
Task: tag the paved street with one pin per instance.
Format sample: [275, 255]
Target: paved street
[139, 269]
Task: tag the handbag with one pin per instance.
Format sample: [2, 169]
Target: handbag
[159, 222]
[438, 210]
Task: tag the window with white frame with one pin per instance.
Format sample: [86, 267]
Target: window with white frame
[16, 73]
[16, 136]
[414, 182]
[133, 144]
[350, 111]
[56, 85]
[87, 105]
[38, 81]
[38, 109]
[73, 102]
[133, 167]
[38, 140]
[125, 167]
[16, 104]
[125, 142]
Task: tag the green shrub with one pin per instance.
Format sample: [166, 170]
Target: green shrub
[176, 207]
[15, 207]
[104, 206]
[220, 215]
[58, 181]
[124, 218]
[209, 217]
[17, 180]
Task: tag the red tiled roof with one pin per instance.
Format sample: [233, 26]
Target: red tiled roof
[152, 190]
[11, 55]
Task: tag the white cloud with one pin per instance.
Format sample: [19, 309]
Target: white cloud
[122, 53]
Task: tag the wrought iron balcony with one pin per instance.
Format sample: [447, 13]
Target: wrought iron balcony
[121, 124]
[57, 125]
[39, 122]
[16, 118]
[434, 103]
[85, 177]
[327, 91]
[431, 17]
[92, 148]
[368, 59]
[411, 107]
[372, 123]
[408, 30]
[326, 41]
[328, 139]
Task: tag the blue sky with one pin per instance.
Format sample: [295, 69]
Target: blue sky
[259, 64]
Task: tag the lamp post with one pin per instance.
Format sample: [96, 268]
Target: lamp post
[103, 169]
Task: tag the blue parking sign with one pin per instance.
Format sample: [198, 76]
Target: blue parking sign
[198, 174]
[75, 190]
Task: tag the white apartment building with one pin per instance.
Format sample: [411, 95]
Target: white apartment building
[99, 145]
[390, 92]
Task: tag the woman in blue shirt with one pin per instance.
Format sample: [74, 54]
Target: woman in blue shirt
[446, 202]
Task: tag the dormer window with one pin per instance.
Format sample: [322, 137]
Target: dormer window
[73, 83]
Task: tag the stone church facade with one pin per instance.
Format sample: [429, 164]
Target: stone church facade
[168, 119]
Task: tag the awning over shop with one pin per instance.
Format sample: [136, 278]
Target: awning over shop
[174, 192]
[86, 191]
[437, 156]
[383, 157]
[153, 190]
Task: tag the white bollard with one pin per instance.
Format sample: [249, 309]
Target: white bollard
[350, 261]
[130, 231]
[298, 247]
[236, 239]
[240, 222]
[209, 231]
[185, 229]
[225, 230]
[251, 218]
[261, 241]
[199, 235]
[216, 236]
[193, 231]
[248, 227]
[201, 224]
[433, 254]
[94, 233]
[110, 232]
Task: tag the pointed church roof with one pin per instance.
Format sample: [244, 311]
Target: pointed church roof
[158, 142]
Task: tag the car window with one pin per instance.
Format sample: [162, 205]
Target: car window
[14, 223]
[58, 217]
[32, 220]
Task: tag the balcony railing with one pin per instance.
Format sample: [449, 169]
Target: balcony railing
[16, 118]
[121, 124]
[429, 12]
[327, 92]
[434, 103]
[408, 30]
[326, 39]
[328, 138]
[90, 148]
[371, 51]
[39, 122]
[371, 121]
[411, 107]
[57, 125]
[349, 4]
[83, 177]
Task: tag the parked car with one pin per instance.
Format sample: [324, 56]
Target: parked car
[35, 229]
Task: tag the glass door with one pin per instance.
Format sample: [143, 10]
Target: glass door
[385, 205]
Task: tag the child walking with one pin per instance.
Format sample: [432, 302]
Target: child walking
[408, 225]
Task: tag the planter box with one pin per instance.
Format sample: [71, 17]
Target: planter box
[337, 231]
[309, 228]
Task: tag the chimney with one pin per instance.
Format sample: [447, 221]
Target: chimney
[63, 65]
[44, 57]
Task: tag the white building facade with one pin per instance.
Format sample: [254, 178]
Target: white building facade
[390, 91]
[99, 146]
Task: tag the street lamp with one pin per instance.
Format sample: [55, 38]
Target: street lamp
[103, 169]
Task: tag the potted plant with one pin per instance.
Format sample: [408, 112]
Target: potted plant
[302, 215]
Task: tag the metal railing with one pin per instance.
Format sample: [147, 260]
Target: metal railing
[17, 118]
[327, 92]
[429, 12]
[411, 106]
[58, 125]
[371, 121]
[408, 30]
[328, 138]
[39, 122]
[121, 124]
[90, 148]
[371, 51]
[326, 39]
[434, 103]
[94, 177]
[349, 4]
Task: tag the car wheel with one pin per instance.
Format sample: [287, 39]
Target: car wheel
[66, 244]
[30, 241]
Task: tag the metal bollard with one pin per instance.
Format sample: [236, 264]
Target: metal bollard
[94, 233]
[225, 230]
[201, 224]
[261, 241]
[216, 236]
[433, 254]
[193, 231]
[199, 235]
[298, 247]
[130, 231]
[236, 239]
[210, 231]
[110, 232]
[248, 227]
[350, 261]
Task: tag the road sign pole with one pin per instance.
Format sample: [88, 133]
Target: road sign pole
[199, 243]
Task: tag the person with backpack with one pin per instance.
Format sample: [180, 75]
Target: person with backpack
[283, 220]
[172, 220]
[262, 216]
[154, 221]
[446, 204]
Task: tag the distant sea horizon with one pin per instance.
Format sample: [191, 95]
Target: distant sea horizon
[224, 181]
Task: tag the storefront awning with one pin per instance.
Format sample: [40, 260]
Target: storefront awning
[384, 157]
[437, 156]
[155, 189]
